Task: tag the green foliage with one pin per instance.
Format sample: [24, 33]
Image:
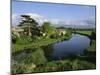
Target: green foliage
[35, 42]
[24, 40]
[65, 65]
[27, 21]
[93, 35]
[53, 66]
[82, 65]
[48, 50]
[61, 27]
[26, 61]
[69, 33]
[85, 32]
[54, 36]
[36, 38]
[92, 49]
[29, 25]
[20, 68]
[31, 56]
[14, 39]
[47, 28]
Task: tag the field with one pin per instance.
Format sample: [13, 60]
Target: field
[85, 32]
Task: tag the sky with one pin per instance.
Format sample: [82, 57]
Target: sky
[56, 13]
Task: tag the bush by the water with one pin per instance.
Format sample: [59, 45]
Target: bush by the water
[28, 60]
[53, 36]
[93, 35]
[65, 65]
[34, 56]
[92, 49]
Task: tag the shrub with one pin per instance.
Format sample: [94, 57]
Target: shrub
[54, 36]
[27, 61]
[20, 68]
[14, 38]
[36, 56]
[93, 35]
[82, 65]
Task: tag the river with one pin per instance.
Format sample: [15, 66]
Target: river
[74, 46]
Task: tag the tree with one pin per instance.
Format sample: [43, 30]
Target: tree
[47, 28]
[93, 35]
[14, 38]
[28, 23]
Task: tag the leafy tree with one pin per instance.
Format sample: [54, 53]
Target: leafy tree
[93, 35]
[28, 23]
[61, 27]
[36, 56]
[47, 28]
[14, 38]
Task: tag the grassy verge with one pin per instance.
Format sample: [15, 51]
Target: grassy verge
[54, 66]
[92, 49]
[37, 43]
[84, 32]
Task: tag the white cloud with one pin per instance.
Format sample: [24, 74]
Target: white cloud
[81, 22]
[40, 19]
[15, 19]
[14, 16]
[35, 16]
[54, 21]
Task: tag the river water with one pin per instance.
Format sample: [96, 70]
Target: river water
[74, 46]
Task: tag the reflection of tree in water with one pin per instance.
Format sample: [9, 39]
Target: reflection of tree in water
[48, 50]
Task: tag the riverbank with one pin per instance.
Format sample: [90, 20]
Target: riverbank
[31, 60]
[69, 64]
[38, 43]
[92, 49]
[85, 32]
[32, 56]
[66, 65]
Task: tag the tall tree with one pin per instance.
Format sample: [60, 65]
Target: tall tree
[28, 23]
[47, 28]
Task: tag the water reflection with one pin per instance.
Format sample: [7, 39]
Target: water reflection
[74, 46]
[48, 50]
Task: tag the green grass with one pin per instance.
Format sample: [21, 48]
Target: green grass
[54, 66]
[92, 49]
[36, 44]
[93, 46]
[26, 61]
[35, 56]
[35, 59]
[86, 32]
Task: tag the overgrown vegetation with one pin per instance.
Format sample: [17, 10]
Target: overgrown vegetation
[60, 65]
